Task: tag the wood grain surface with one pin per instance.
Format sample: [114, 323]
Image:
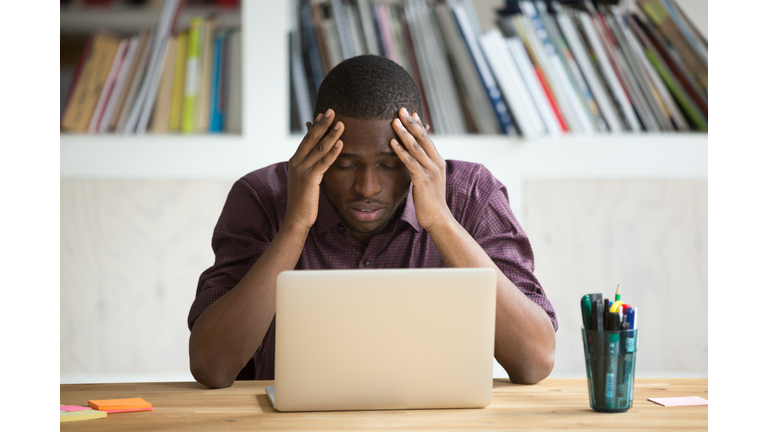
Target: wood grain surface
[553, 404]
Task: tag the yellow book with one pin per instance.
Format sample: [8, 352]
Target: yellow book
[98, 57]
[203, 119]
[192, 72]
[81, 415]
[177, 96]
[162, 110]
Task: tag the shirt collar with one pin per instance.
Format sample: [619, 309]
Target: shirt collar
[328, 218]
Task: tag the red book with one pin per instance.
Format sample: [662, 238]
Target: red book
[551, 99]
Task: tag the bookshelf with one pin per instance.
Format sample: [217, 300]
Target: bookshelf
[266, 139]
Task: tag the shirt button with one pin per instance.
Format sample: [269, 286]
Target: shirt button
[341, 228]
[366, 263]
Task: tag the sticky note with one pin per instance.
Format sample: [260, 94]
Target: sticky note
[87, 414]
[120, 405]
[70, 408]
[680, 401]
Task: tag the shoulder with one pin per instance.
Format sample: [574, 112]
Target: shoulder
[268, 182]
[470, 178]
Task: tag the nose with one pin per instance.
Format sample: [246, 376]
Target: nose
[367, 182]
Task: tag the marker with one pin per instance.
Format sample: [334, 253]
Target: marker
[612, 355]
[631, 318]
[618, 292]
[606, 308]
[586, 311]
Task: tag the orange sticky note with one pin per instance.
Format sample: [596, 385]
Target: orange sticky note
[119, 404]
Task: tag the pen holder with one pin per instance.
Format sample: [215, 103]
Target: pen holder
[610, 360]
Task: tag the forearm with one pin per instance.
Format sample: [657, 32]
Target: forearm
[524, 338]
[229, 331]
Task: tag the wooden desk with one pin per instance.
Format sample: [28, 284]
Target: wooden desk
[549, 405]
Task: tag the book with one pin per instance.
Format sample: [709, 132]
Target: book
[121, 84]
[99, 56]
[511, 84]
[608, 73]
[135, 77]
[584, 96]
[491, 88]
[658, 88]
[575, 113]
[567, 24]
[355, 30]
[317, 25]
[191, 81]
[331, 35]
[415, 73]
[162, 109]
[202, 119]
[299, 77]
[649, 104]
[142, 108]
[217, 92]
[366, 22]
[313, 63]
[480, 110]
[179, 75]
[342, 27]
[109, 85]
[687, 105]
[234, 118]
[524, 65]
[537, 59]
[659, 15]
[676, 68]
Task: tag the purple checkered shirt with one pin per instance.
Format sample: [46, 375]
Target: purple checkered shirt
[256, 206]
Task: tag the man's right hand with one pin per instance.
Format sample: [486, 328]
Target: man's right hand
[312, 159]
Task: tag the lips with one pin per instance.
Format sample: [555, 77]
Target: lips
[366, 215]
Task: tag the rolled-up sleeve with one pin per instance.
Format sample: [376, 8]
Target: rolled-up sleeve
[243, 232]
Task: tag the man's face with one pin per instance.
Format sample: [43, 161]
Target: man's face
[367, 183]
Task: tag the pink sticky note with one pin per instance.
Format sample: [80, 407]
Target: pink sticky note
[70, 408]
[679, 401]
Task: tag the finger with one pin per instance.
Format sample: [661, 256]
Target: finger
[325, 145]
[421, 134]
[308, 125]
[410, 143]
[411, 164]
[329, 158]
[322, 123]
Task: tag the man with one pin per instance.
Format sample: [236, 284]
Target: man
[366, 188]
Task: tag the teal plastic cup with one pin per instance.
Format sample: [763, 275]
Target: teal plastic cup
[610, 359]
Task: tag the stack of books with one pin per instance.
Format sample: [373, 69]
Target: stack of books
[546, 69]
[158, 81]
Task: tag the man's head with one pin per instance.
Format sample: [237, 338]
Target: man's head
[367, 184]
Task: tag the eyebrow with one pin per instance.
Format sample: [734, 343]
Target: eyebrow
[353, 155]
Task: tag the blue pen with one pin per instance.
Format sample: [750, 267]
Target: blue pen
[631, 318]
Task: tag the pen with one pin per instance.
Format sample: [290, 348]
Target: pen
[598, 369]
[606, 309]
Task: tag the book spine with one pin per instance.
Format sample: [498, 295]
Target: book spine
[215, 118]
[108, 88]
[500, 108]
[523, 62]
[177, 97]
[192, 71]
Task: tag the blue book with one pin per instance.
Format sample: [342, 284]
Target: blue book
[496, 100]
[217, 78]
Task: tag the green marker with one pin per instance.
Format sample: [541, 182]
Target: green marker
[586, 311]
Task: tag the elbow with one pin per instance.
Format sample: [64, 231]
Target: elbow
[208, 376]
[535, 372]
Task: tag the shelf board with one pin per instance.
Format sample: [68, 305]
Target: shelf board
[128, 20]
[228, 157]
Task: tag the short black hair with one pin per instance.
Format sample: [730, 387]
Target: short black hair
[368, 87]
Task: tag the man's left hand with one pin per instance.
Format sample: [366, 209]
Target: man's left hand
[427, 169]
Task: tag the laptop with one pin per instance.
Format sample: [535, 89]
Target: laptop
[384, 339]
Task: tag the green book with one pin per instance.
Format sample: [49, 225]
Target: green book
[191, 83]
[677, 92]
